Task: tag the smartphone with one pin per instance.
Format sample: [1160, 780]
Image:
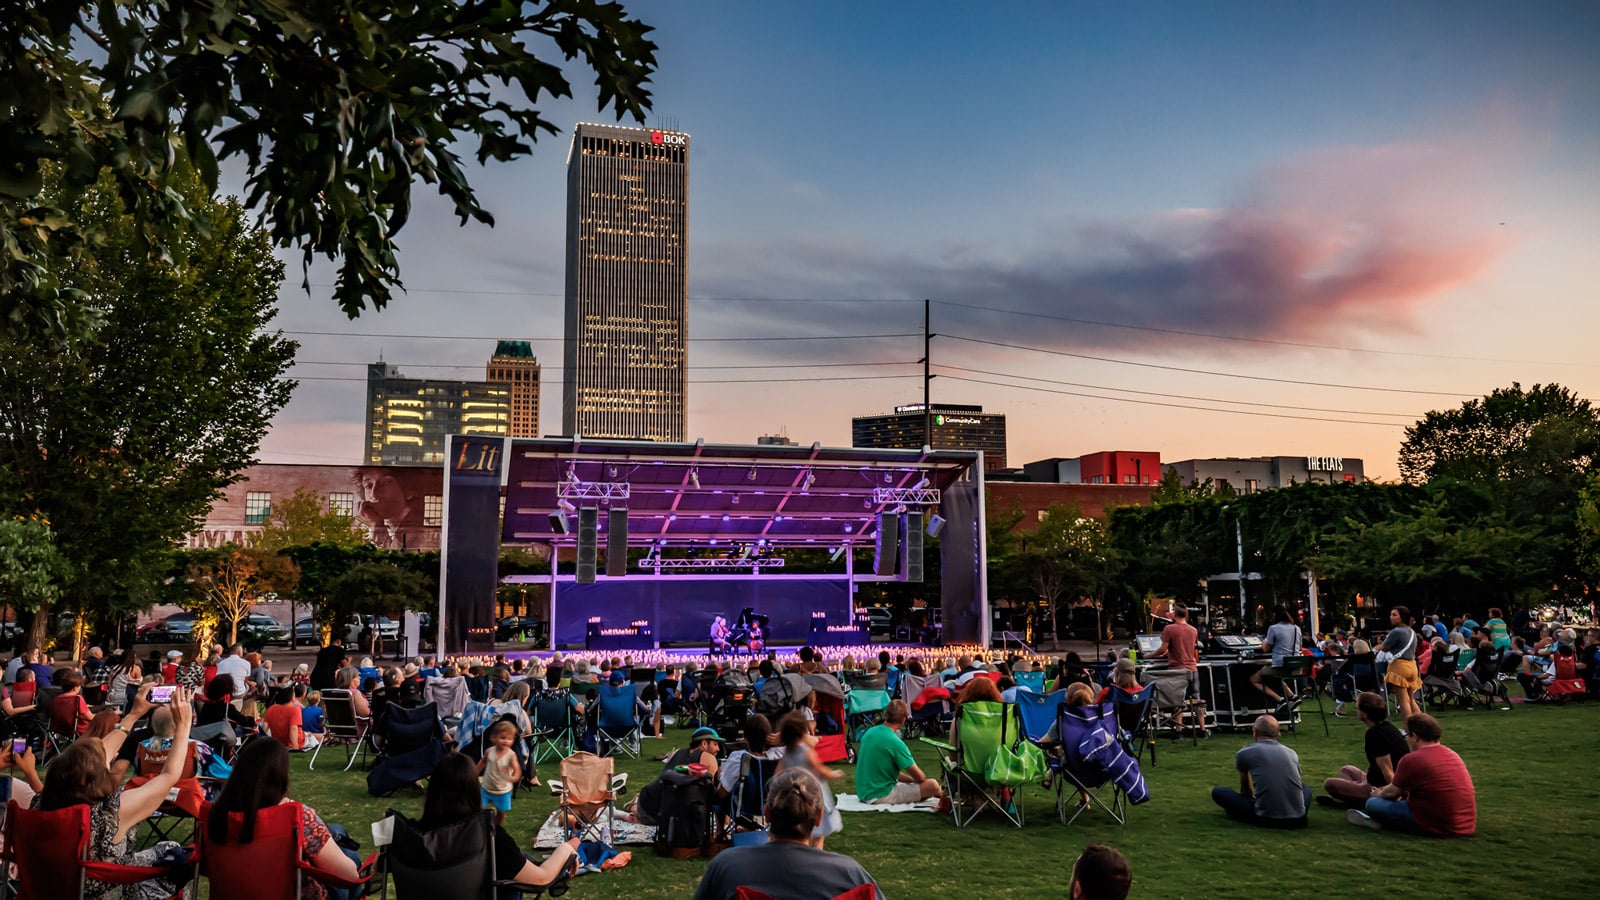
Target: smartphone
[19, 746]
[162, 693]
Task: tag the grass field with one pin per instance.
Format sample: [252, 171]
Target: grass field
[1533, 768]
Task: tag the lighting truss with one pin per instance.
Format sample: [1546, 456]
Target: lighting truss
[572, 489]
[907, 496]
[770, 562]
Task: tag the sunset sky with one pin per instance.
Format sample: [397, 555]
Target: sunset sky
[1132, 218]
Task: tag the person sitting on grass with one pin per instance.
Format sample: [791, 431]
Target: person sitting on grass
[1431, 793]
[1101, 872]
[787, 866]
[454, 794]
[1270, 793]
[885, 772]
[284, 722]
[1385, 746]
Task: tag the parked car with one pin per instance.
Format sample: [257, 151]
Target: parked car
[306, 631]
[263, 629]
[879, 620]
[387, 628]
[518, 628]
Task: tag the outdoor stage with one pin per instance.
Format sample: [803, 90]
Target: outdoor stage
[698, 655]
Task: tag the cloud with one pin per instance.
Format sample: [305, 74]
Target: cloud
[1333, 245]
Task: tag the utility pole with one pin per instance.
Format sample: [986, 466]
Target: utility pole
[927, 376]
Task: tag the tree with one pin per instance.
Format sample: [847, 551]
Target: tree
[301, 520]
[1067, 558]
[31, 568]
[380, 588]
[334, 110]
[123, 436]
[227, 581]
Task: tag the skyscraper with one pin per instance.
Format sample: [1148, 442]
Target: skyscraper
[514, 365]
[954, 427]
[408, 418]
[626, 351]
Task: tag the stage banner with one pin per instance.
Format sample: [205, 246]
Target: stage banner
[960, 583]
[680, 608]
[471, 540]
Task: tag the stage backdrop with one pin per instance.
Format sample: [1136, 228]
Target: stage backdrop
[680, 609]
[472, 543]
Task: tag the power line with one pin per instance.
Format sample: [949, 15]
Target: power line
[557, 340]
[1146, 365]
[553, 368]
[1237, 412]
[1101, 387]
[488, 293]
[1210, 335]
[352, 378]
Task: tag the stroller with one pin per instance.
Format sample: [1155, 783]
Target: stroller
[780, 694]
[732, 697]
[833, 739]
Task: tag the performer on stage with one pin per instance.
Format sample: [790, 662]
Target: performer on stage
[758, 637]
[719, 636]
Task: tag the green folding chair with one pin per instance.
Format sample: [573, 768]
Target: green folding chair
[982, 728]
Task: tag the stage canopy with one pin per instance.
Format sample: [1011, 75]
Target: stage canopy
[681, 495]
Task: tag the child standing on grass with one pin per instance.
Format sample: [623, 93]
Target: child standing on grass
[499, 771]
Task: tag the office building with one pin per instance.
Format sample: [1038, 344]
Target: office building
[515, 366]
[626, 350]
[408, 418]
[775, 440]
[1104, 467]
[953, 428]
[1257, 473]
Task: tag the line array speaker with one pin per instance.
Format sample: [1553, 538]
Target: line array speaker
[616, 542]
[588, 526]
[911, 536]
[886, 552]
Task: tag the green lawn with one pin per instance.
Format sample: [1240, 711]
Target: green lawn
[1533, 767]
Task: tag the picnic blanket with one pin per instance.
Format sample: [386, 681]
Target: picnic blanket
[550, 836]
[852, 803]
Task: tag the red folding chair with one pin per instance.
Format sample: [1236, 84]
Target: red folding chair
[271, 866]
[51, 852]
[859, 892]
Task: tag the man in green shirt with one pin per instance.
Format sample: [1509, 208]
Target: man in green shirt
[885, 771]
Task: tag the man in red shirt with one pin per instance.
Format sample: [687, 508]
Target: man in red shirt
[1431, 792]
[1180, 644]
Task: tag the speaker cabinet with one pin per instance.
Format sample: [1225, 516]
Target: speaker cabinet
[911, 537]
[886, 552]
[588, 528]
[616, 543]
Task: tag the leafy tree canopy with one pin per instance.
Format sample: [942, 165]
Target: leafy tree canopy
[334, 109]
[303, 519]
[122, 436]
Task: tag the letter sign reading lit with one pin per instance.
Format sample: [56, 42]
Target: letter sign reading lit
[675, 140]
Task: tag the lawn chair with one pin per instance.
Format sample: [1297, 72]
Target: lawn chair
[833, 739]
[272, 865]
[618, 726]
[1135, 718]
[1299, 678]
[1032, 681]
[982, 728]
[863, 708]
[588, 789]
[555, 728]
[342, 726]
[862, 681]
[50, 850]
[1090, 758]
[1170, 700]
[859, 892]
[183, 802]
[455, 860]
[1441, 685]
[747, 803]
[449, 695]
[1039, 712]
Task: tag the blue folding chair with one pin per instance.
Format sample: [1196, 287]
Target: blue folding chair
[1039, 713]
[1135, 715]
[750, 790]
[1033, 681]
[619, 727]
[1090, 758]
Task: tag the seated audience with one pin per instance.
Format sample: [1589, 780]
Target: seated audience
[312, 716]
[453, 795]
[261, 779]
[1384, 747]
[1101, 872]
[787, 865]
[1431, 793]
[758, 739]
[81, 775]
[1124, 678]
[216, 705]
[284, 722]
[1270, 793]
[885, 771]
[69, 711]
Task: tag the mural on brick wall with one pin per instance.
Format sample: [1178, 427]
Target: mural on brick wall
[392, 504]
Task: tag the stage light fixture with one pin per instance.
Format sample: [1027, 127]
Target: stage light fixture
[811, 478]
[837, 552]
[888, 478]
[866, 503]
[559, 523]
[611, 471]
[935, 525]
[920, 485]
[694, 477]
[735, 500]
[752, 475]
[566, 506]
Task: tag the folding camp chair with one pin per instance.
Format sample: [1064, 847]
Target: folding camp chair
[402, 730]
[618, 725]
[1033, 681]
[1090, 758]
[449, 695]
[859, 892]
[555, 728]
[272, 865]
[343, 726]
[933, 719]
[876, 681]
[1298, 677]
[746, 803]
[50, 850]
[1171, 700]
[982, 728]
[863, 708]
[456, 860]
[588, 789]
[1038, 712]
[1135, 715]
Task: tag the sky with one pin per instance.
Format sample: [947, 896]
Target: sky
[1207, 230]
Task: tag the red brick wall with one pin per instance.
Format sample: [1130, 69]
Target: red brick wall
[1092, 499]
[390, 501]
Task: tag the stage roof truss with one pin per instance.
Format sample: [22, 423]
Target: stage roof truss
[700, 495]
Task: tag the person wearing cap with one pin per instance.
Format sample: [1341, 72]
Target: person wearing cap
[169, 672]
[703, 747]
